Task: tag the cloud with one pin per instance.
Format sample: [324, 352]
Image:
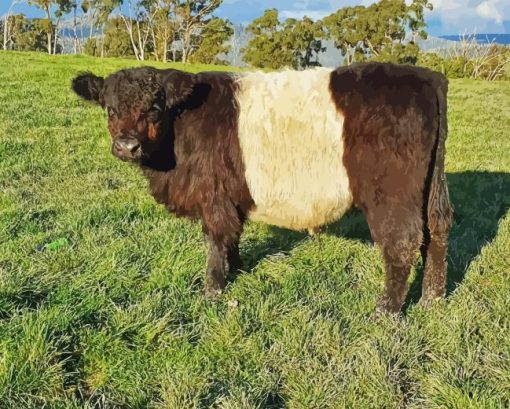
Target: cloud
[314, 9]
[468, 16]
[488, 10]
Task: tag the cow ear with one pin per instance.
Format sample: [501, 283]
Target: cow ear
[88, 86]
[178, 86]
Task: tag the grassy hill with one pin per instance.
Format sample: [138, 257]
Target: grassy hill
[100, 289]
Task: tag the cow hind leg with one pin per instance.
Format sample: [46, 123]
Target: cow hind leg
[434, 249]
[397, 230]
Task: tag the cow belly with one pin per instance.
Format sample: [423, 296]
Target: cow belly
[291, 140]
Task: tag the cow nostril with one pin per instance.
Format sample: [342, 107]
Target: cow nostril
[134, 148]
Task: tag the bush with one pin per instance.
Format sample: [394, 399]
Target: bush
[470, 59]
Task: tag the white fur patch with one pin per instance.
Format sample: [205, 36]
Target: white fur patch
[291, 140]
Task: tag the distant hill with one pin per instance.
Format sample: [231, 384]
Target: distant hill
[484, 38]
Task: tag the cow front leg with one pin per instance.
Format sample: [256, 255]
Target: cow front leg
[222, 226]
[223, 258]
[217, 264]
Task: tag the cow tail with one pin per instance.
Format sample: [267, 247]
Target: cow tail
[439, 213]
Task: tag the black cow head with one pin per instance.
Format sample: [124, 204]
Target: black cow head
[138, 102]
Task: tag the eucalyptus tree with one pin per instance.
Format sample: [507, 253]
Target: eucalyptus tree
[7, 23]
[193, 16]
[292, 43]
[59, 8]
[379, 31]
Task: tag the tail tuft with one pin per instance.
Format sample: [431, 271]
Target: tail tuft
[439, 209]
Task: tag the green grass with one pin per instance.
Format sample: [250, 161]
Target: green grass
[100, 289]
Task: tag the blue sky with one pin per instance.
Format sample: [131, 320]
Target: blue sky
[448, 17]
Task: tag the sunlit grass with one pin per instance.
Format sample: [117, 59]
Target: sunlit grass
[100, 289]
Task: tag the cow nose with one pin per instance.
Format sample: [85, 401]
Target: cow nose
[130, 145]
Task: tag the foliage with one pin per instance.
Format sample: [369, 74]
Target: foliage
[116, 318]
[215, 35]
[164, 28]
[193, 17]
[29, 34]
[379, 30]
[265, 49]
[61, 7]
[294, 43]
[114, 43]
[473, 60]
[304, 38]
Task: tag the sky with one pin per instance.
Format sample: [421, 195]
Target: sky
[449, 16]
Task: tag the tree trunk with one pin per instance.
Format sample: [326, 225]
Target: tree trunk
[75, 33]
[102, 41]
[49, 43]
[185, 45]
[165, 46]
[50, 27]
[141, 51]
[81, 35]
[6, 30]
[92, 19]
[7, 24]
[129, 28]
[56, 36]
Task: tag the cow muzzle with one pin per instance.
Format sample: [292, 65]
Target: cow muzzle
[127, 149]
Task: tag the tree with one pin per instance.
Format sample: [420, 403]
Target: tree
[7, 24]
[416, 19]
[193, 16]
[96, 14]
[304, 38]
[115, 41]
[28, 34]
[343, 28]
[274, 45]
[214, 42]
[378, 31]
[62, 7]
[163, 28]
[139, 26]
[74, 6]
[265, 49]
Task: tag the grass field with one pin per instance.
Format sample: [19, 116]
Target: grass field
[100, 289]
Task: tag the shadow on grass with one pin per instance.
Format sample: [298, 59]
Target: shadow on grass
[479, 199]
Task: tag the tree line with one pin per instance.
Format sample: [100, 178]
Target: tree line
[144, 29]
[189, 31]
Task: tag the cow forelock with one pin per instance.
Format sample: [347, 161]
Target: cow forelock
[135, 105]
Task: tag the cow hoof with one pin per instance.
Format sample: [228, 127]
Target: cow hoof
[428, 302]
[386, 306]
[314, 231]
[212, 292]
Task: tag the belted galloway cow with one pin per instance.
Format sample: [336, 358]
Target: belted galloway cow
[295, 150]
